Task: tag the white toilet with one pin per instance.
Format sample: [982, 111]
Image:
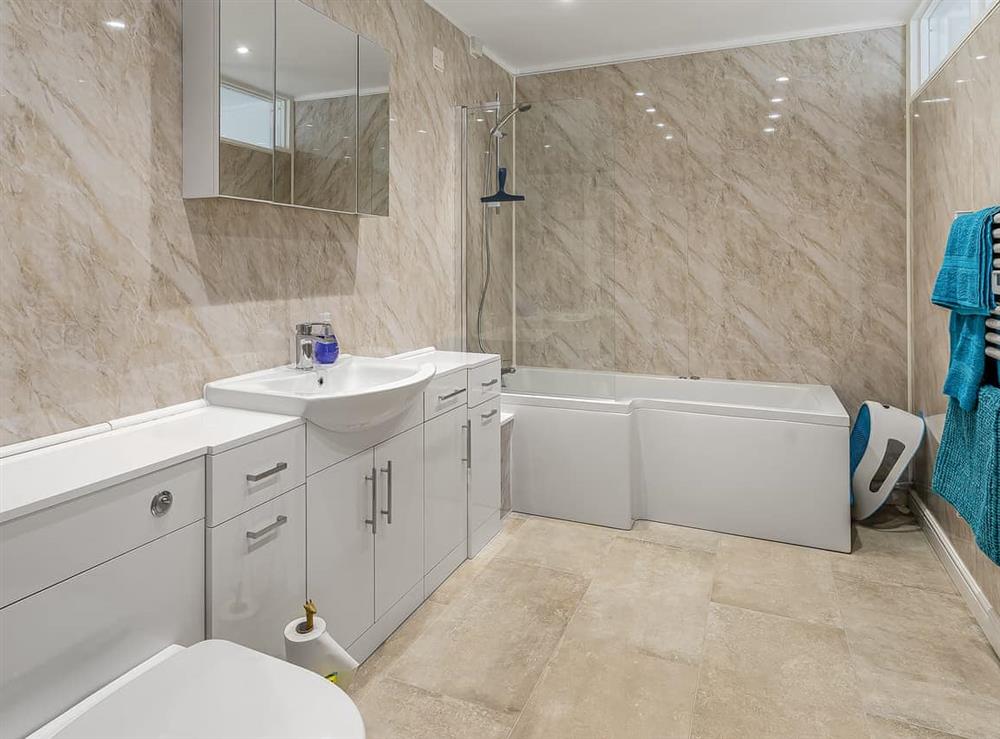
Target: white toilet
[212, 690]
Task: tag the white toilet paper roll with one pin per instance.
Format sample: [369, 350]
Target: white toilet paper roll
[319, 652]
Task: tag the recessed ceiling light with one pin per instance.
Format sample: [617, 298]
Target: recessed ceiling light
[480, 120]
[650, 110]
[642, 94]
[547, 146]
[242, 50]
[769, 129]
[777, 100]
[916, 115]
[774, 116]
[661, 125]
[115, 23]
[420, 130]
[669, 136]
[935, 100]
[980, 57]
[782, 78]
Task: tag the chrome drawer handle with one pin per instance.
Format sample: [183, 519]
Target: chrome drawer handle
[488, 416]
[281, 466]
[161, 503]
[388, 492]
[373, 521]
[452, 394]
[279, 521]
[468, 444]
[491, 383]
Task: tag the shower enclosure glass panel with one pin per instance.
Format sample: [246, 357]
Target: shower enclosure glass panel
[550, 259]
[489, 302]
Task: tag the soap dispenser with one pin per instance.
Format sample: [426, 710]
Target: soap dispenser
[325, 348]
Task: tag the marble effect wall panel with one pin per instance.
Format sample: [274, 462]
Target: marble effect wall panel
[736, 253]
[117, 296]
[955, 160]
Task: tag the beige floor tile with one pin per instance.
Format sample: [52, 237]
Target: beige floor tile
[604, 688]
[776, 578]
[394, 710]
[561, 545]
[898, 557]
[390, 650]
[681, 537]
[921, 658]
[884, 728]
[770, 676]
[650, 597]
[470, 569]
[492, 642]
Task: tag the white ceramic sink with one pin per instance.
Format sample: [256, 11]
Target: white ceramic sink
[356, 393]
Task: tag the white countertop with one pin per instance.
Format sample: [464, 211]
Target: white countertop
[445, 362]
[44, 477]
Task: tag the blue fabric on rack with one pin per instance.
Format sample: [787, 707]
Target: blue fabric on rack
[963, 285]
[967, 470]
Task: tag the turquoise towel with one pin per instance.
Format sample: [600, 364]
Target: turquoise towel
[967, 471]
[963, 285]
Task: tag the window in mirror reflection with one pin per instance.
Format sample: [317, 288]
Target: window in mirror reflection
[316, 70]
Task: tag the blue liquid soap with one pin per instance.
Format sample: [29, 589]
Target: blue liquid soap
[326, 351]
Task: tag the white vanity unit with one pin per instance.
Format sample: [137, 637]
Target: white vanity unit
[218, 522]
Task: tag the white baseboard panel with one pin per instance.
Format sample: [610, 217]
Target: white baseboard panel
[440, 572]
[362, 647]
[982, 610]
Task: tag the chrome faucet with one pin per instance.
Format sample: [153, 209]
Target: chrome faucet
[305, 336]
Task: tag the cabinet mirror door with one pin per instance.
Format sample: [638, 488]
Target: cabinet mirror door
[246, 98]
[373, 128]
[316, 85]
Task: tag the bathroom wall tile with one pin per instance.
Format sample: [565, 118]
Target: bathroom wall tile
[736, 253]
[765, 675]
[921, 658]
[117, 296]
[953, 149]
[776, 578]
[494, 639]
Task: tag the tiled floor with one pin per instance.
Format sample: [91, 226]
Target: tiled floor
[564, 630]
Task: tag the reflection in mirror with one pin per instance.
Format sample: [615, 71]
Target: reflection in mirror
[373, 129]
[246, 98]
[317, 73]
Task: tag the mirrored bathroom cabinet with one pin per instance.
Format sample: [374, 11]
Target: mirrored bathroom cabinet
[284, 105]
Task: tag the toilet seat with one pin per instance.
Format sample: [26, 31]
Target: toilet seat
[214, 689]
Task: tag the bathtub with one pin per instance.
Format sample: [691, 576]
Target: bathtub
[760, 459]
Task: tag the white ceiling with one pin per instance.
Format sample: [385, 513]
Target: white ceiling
[537, 35]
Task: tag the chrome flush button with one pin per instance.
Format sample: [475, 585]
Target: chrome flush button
[161, 503]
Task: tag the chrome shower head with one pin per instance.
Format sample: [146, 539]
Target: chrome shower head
[522, 108]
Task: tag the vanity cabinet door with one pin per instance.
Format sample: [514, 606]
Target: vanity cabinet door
[484, 474]
[399, 540]
[341, 548]
[256, 573]
[445, 483]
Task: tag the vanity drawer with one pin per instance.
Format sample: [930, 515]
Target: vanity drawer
[43, 548]
[256, 573]
[484, 383]
[254, 473]
[444, 393]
